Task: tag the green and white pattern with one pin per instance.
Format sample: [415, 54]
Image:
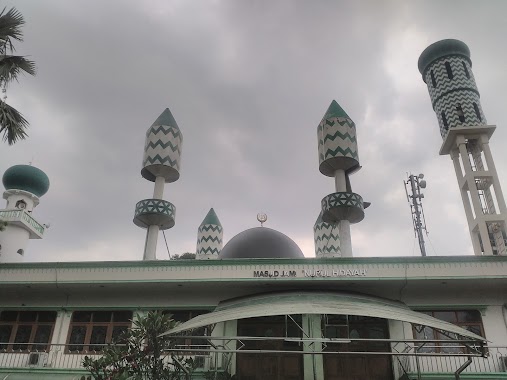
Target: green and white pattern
[342, 206]
[448, 94]
[162, 149]
[209, 237]
[337, 141]
[326, 238]
[155, 212]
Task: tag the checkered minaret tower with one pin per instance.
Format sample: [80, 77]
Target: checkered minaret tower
[326, 238]
[209, 237]
[338, 158]
[161, 164]
[446, 69]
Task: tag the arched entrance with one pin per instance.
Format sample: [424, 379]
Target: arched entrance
[267, 365]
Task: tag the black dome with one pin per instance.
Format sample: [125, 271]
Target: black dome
[261, 243]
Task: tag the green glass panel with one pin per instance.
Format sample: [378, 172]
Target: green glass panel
[102, 316]
[5, 336]
[122, 316]
[47, 316]
[81, 316]
[42, 335]
[98, 337]
[8, 316]
[22, 337]
[27, 316]
[77, 338]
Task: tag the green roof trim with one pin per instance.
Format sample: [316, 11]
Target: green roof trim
[27, 178]
[335, 110]
[442, 49]
[211, 218]
[166, 118]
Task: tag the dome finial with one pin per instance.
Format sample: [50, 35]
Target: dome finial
[262, 218]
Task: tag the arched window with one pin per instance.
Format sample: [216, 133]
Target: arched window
[444, 120]
[433, 81]
[449, 70]
[466, 69]
[21, 252]
[477, 111]
[461, 114]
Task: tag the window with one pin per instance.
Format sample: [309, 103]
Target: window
[466, 70]
[477, 112]
[449, 70]
[91, 330]
[26, 330]
[461, 115]
[468, 319]
[444, 120]
[433, 81]
[183, 316]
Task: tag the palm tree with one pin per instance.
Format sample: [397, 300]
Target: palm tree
[12, 123]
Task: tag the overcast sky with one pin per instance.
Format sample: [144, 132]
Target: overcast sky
[248, 83]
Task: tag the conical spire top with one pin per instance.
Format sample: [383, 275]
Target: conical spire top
[166, 118]
[211, 218]
[335, 110]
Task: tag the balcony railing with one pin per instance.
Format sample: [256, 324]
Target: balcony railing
[71, 356]
[408, 362]
[423, 363]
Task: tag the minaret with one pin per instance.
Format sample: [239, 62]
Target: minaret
[209, 237]
[447, 70]
[161, 164]
[338, 158]
[326, 238]
[24, 185]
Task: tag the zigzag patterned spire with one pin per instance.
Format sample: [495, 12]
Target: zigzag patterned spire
[209, 237]
[326, 238]
[337, 141]
[162, 150]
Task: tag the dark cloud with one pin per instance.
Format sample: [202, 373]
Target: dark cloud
[247, 82]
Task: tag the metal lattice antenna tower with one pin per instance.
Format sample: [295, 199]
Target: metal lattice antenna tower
[338, 158]
[446, 68]
[415, 184]
[161, 164]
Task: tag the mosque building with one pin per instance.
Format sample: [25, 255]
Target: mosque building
[256, 308]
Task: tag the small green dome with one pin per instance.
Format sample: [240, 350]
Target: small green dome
[442, 49]
[26, 178]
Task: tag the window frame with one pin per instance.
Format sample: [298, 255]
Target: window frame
[31, 345]
[89, 326]
[439, 347]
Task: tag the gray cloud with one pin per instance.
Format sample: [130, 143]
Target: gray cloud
[248, 83]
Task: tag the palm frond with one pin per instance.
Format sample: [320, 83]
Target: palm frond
[10, 28]
[12, 124]
[12, 65]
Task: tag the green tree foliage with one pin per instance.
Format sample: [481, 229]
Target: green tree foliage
[184, 256]
[12, 124]
[141, 354]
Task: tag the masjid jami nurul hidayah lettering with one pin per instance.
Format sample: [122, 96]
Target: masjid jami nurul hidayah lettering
[446, 68]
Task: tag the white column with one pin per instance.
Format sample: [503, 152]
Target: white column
[150, 247]
[158, 191]
[340, 181]
[492, 169]
[474, 194]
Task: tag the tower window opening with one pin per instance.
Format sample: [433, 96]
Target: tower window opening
[433, 81]
[444, 120]
[449, 70]
[461, 115]
[466, 70]
[21, 252]
[477, 111]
